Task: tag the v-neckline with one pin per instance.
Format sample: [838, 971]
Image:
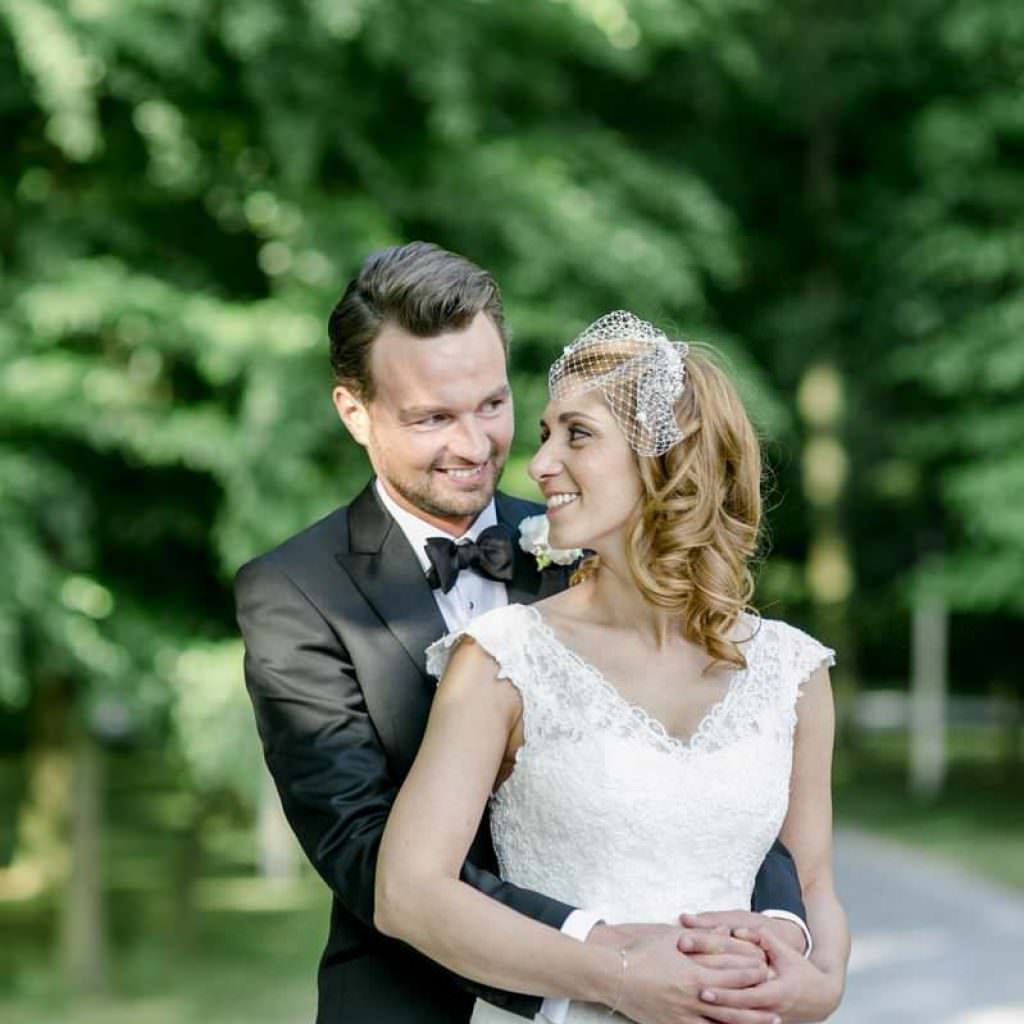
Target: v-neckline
[653, 724]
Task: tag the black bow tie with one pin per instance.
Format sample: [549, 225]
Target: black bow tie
[491, 555]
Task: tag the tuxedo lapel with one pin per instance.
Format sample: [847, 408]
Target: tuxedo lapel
[384, 568]
[528, 583]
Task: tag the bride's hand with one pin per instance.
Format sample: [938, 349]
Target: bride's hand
[659, 986]
[799, 991]
[619, 936]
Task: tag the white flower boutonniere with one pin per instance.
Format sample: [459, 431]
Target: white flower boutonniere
[533, 539]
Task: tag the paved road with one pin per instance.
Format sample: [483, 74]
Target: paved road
[931, 944]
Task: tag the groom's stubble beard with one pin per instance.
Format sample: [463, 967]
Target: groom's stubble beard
[427, 493]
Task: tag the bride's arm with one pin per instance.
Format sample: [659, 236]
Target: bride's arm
[807, 831]
[419, 897]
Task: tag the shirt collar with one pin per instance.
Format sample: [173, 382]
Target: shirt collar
[417, 531]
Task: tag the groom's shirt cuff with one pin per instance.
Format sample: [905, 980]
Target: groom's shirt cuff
[578, 925]
[785, 915]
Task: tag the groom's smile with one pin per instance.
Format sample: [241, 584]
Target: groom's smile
[468, 476]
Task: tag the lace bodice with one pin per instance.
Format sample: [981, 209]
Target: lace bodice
[605, 810]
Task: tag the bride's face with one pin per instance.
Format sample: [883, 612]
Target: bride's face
[587, 473]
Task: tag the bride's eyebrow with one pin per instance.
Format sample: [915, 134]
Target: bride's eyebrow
[564, 417]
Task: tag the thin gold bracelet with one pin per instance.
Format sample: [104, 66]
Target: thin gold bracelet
[622, 984]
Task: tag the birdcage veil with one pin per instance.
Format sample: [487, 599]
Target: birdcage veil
[639, 372]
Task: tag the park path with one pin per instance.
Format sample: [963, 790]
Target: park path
[932, 944]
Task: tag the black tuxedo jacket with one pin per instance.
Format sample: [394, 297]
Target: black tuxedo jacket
[336, 621]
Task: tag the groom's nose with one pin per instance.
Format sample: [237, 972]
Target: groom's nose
[470, 441]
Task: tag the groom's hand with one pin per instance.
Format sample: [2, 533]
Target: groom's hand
[735, 920]
[717, 948]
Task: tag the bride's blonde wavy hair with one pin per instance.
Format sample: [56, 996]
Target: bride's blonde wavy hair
[692, 539]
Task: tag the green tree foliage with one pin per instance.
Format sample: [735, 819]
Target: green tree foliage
[956, 305]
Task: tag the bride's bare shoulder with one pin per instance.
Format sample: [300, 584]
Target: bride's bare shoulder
[569, 605]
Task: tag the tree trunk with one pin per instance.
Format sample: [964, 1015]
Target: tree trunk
[929, 652]
[40, 860]
[278, 853]
[188, 868]
[83, 930]
[1009, 719]
[829, 571]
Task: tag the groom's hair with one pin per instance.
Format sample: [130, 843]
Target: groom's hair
[419, 287]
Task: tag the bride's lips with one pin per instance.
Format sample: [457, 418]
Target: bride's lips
[560, 502]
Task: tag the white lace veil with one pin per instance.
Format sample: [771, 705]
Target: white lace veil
[639, 372]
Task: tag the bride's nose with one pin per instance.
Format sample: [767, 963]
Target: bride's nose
[544, 465]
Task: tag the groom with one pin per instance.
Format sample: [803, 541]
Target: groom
[337, 618]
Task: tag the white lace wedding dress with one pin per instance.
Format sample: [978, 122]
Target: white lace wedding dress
[608, 812]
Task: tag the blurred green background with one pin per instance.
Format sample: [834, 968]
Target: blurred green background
[832, 193]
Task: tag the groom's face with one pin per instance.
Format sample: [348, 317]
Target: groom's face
[439, 426]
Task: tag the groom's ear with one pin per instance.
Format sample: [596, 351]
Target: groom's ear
[352, 412]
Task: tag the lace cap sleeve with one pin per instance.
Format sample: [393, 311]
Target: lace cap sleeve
[807, 656]
[498, 632]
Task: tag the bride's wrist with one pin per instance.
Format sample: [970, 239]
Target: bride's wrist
[606, 982]
[821, 999]
[604, 935]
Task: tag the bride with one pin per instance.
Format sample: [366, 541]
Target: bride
[644, 736]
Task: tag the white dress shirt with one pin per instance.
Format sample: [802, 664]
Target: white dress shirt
[471, 596]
